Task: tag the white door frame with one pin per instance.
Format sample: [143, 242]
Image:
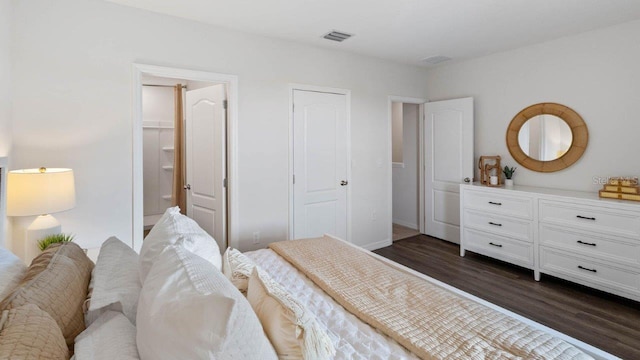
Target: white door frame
[420, 102]
[322, 89]
[4, 220]
[231, 82]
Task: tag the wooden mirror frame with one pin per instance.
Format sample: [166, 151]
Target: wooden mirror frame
[573, 119]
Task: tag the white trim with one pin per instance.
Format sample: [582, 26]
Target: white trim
[397, 165]
[589, 349]
[376, 245]
[409, 225]
[421, 175]
[420, 102]
[231, 82]
[323, 89]
[4, 231]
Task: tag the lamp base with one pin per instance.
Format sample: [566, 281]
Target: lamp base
[42, 226]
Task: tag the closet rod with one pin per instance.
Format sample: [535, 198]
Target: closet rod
[183, 86]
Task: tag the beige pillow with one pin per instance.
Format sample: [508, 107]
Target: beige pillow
[291, 328]
[26, 333]
[57, 283]
[237, 267]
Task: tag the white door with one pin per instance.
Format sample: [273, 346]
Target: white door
[320, 158]
[448, 154]
[205, 139]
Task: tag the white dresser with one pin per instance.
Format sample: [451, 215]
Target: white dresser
[568, 234]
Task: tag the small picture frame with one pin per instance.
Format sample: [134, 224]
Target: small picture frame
[490, 170]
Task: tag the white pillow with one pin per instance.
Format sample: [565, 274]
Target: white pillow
[111, 336]
[12, 271]
[237, 267]
[189, 310]
[115, 282]
[172, 226]
[291, 328]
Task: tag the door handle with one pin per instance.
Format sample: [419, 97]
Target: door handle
[585, 217]
[467, 180]
[344, 183]
[187, 187]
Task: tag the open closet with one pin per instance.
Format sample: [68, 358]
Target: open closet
[184, 152]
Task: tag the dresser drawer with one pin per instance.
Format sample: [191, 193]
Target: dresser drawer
[591, 218]
[499, 203]
[499, 247]
[609, 249]
[501, 225]
[589, 272]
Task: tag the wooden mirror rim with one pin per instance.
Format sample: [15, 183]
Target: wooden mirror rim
[579, 132]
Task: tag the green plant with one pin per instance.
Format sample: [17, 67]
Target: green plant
[508, 171]
[54, 239]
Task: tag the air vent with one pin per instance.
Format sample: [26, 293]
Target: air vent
[433, 60]
[338, 36]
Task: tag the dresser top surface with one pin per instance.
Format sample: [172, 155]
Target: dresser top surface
[540, 191]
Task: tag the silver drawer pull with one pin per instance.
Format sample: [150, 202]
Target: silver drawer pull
[585, 243]
[495, 203]
[494, 224]
[587, 269]
[496, 245]
[585, 217]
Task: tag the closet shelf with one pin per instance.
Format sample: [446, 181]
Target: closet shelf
[167, 148]
[167, 167]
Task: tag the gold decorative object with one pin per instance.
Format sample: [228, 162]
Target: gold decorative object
[487, 165]
[622, 188]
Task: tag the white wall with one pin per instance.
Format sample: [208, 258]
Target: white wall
[5, 76]
[405, 179]
[5, 100]
[596, 73]
[396, 132]
[73, 98]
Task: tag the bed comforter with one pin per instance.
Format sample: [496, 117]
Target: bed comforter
[430, 321]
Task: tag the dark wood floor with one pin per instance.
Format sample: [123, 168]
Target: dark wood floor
[603, 320]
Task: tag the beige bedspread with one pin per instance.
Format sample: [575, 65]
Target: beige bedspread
[432, 322]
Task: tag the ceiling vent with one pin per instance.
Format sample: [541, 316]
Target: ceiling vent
[433, 60]
[338, 36]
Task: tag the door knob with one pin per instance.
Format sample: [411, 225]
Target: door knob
[467, 180]
[344, 183]
[187, 187]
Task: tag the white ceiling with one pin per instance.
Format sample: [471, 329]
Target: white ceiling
[406, 30]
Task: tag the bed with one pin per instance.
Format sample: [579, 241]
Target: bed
[354, 338]
[177, 299]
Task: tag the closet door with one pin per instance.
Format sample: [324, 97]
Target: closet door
[320, 160]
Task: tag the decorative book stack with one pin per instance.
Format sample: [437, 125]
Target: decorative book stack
[622, 188]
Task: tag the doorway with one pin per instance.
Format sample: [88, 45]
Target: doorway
[203, 107]
[445, 160]
[405, 158]
[319, 162]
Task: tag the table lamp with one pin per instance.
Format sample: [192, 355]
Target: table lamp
[39, 192]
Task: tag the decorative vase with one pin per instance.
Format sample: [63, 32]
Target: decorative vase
[508, 182]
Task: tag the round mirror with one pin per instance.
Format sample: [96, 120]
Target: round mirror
[547, 137]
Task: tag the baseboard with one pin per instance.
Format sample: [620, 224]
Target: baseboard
[406, 224]
[377, 245]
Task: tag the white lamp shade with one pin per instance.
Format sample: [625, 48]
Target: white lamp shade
[40, 191]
